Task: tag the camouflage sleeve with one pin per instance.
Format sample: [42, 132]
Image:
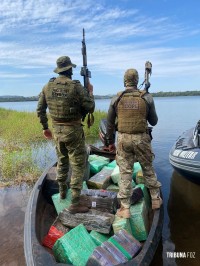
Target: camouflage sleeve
[111, 121]
[86, 100]
[41, 110]
[152, 117]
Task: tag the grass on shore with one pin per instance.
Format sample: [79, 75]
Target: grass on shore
[20, 134]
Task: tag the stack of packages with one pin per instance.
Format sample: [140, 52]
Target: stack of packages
[99, 237]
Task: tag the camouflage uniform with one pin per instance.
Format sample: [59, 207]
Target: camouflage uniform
[67, 101]
[133, 109]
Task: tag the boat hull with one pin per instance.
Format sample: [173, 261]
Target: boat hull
[185, 158]
[40, 214]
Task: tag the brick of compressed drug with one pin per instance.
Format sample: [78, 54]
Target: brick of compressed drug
[100, 180]
[99, 238]
[102, 257]
[136, 167]
[95, 157]
[97, 165]
[139, 220]
[121, 223]
[75, 247]
[117, 254]
[56, 231]
[137, 195]
[102, 200]
[61, 204]
[92, 220]
[146, 194]
[115, 176]
[112, 164]
[130, 248]
[135, 246]
[113, 188]
[139, 177]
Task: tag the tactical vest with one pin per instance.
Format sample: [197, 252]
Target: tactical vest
[62, 99]
[131, 110]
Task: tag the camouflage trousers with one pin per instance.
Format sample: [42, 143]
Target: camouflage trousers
[70, 148]
[130, 149]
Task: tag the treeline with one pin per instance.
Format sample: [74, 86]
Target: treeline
[155, 94]
[177, 93]
[18, 98]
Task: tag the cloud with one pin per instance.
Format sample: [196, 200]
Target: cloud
[35, 32]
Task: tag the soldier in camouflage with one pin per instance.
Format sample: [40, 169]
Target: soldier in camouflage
[133, 109]
[67, 101]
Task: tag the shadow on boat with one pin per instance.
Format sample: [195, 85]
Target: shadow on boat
[184, 223]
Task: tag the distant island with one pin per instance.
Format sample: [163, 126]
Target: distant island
[9, 98]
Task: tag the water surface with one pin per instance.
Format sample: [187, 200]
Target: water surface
[181, 197]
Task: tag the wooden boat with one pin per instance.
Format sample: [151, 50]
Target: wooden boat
[185, 153]
[40, 214]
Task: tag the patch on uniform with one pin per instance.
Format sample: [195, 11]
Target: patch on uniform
[133, 104]
[58, 93]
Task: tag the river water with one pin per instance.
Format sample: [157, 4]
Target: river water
[181, 197]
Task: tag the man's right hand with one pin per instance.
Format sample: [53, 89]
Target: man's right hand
[112, 148]
[47, 134]
[90, 88]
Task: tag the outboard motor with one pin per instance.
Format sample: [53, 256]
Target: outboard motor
[103, 133]
[196, 138]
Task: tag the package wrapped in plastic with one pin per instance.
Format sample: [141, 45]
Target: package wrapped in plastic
[112, 164]
[100, 180]
[140, 178]
[139, 220]
[137, 195]
[61, 204]
[102, 257]
[115, 176]
[113, 188]
[92, 220]
[102, 200]
[136, 168]
[97, 165]
[146, 194]
[117, 254]
[121, 223]
[130, 248]
[75, 247]
[99, 238]
[95, 157]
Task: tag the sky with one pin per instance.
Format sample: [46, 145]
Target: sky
[120, 34]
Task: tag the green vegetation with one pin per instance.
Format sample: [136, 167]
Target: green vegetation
[22, 145]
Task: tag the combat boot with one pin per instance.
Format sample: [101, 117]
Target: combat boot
[123, 213]
[77, 208]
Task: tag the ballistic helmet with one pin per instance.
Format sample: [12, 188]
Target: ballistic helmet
[131, 78]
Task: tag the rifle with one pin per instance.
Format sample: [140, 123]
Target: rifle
[148, 71]
[86, 75]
